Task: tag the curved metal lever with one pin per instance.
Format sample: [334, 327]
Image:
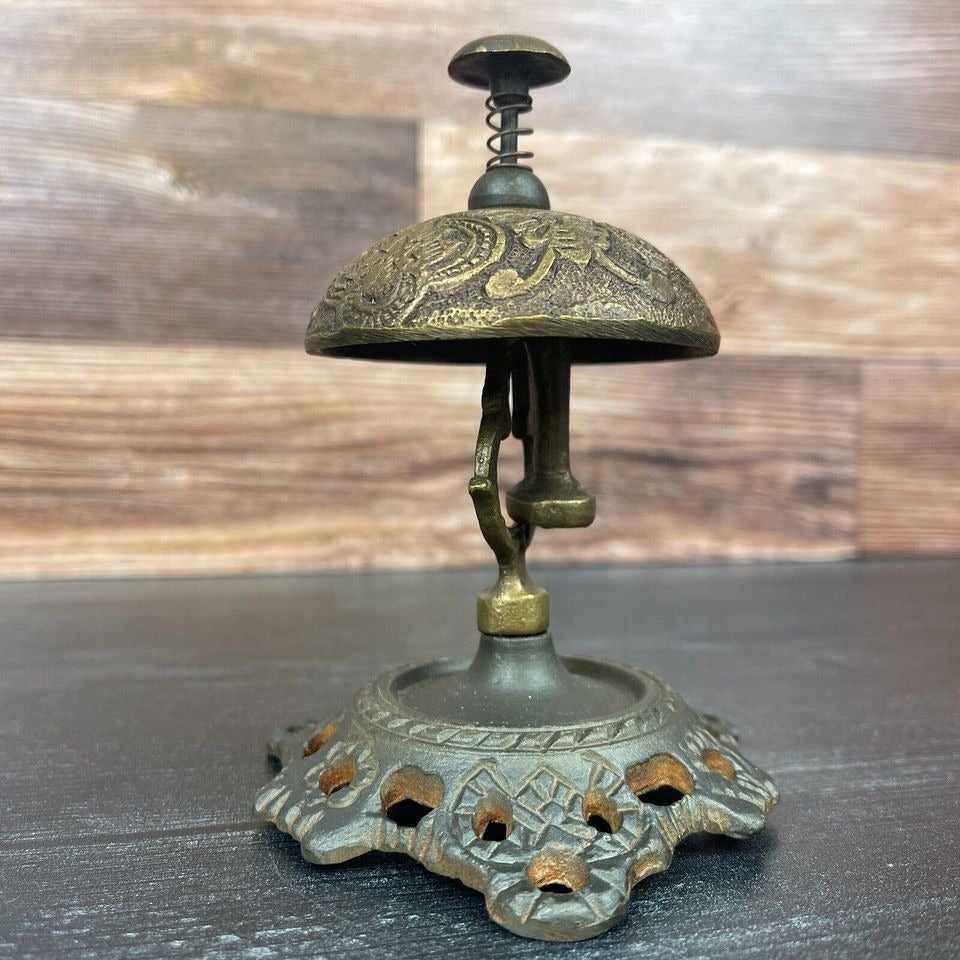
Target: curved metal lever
[514, 606]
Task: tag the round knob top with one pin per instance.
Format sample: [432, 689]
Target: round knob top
[478, 62]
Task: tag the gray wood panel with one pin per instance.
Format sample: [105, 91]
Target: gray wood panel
[860, 74]
[134, 715]
[149, 223]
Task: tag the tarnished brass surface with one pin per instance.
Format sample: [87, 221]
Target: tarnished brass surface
[448, 288]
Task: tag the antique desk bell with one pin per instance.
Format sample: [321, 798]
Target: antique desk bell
[550, 784]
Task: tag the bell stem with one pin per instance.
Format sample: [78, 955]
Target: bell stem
[549, 495]
[549, 364]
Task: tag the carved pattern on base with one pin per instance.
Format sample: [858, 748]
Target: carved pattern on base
[555, 837]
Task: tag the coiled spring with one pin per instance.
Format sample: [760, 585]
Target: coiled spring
[500, 104]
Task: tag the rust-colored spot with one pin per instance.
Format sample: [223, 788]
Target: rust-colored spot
[338, 775]
[409, 794]
[319, 739]
[556, 870]
[718, 763]
[652, 863]
[600, 812]
[661, 780]
[493, 817]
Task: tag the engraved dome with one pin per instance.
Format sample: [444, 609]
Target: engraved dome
[448, 288]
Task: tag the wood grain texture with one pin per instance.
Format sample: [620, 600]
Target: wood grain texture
[855, 75]
[135, 715]
[910, 458]
[150, 223]
[117, 459]
[174, 174]
[796, 253]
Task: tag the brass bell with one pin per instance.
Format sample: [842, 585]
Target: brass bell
[525, 290]
[508, 770]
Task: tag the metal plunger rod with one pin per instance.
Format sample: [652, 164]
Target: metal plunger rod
[549, 495]
[509, 91]
[508, 69]
[549, 363]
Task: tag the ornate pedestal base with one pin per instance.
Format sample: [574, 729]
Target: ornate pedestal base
[553, 823]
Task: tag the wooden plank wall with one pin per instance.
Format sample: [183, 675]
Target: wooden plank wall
[179, 181]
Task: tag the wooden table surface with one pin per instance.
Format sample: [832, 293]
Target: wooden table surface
[134, 715]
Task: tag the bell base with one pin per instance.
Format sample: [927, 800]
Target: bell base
[553, 822]
[517, 682]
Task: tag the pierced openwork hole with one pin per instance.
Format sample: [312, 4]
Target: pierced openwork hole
[493, 818]
[718, 763]
[319, 739]
[662, 780]
[600, 812]
[409, 794]
[558, 871]
[338, 775]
